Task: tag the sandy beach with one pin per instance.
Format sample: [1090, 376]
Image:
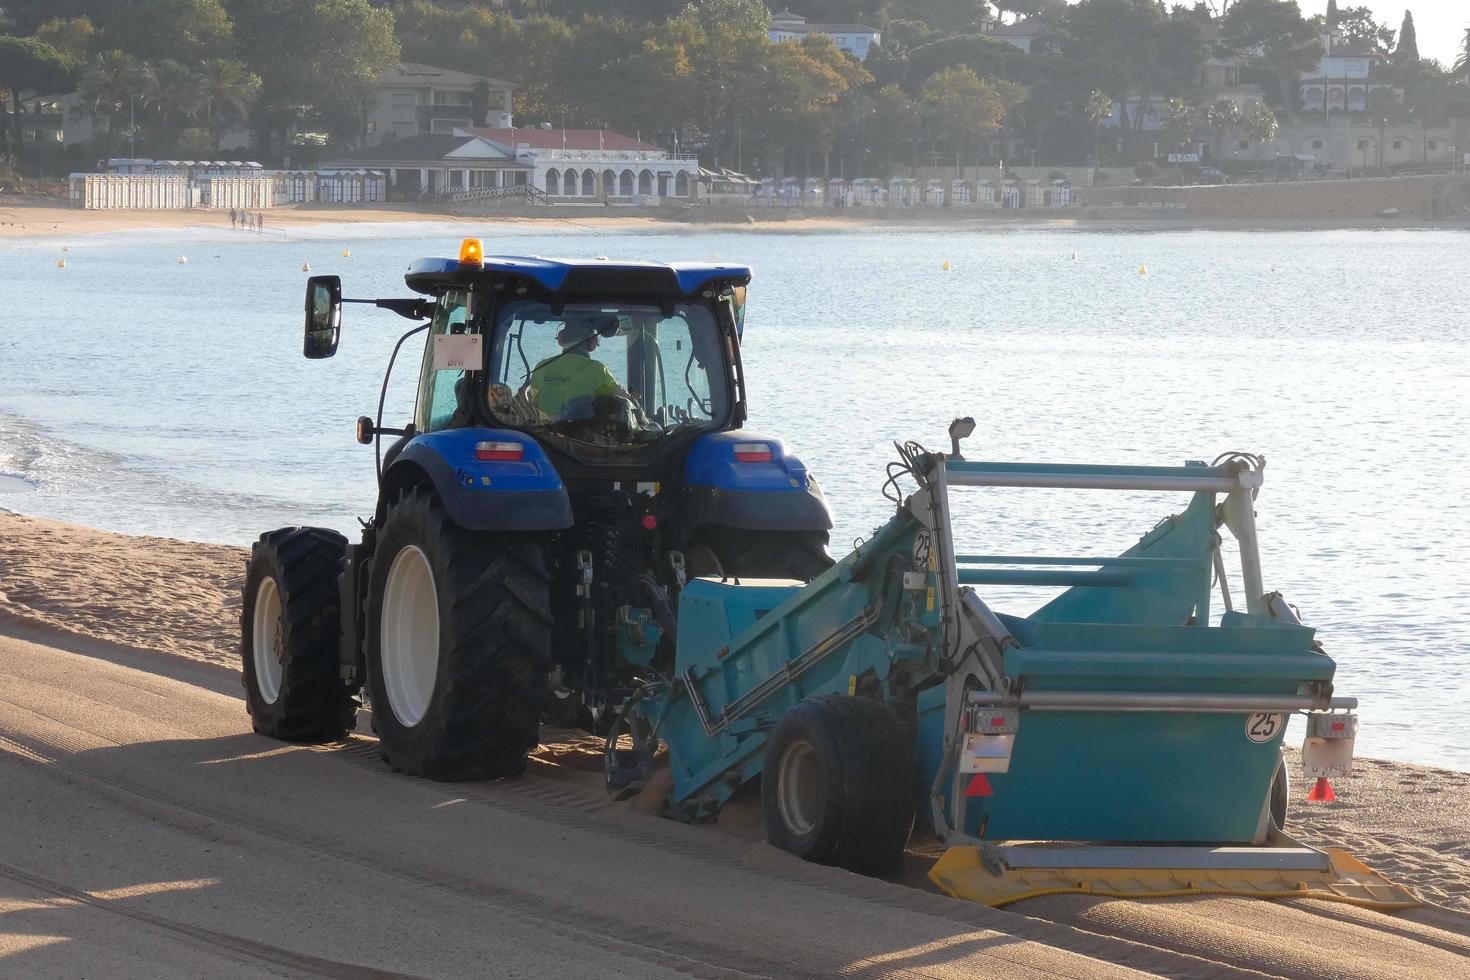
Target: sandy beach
[83, 589]
[26, 217]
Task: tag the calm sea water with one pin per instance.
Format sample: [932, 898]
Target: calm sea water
[144, 395]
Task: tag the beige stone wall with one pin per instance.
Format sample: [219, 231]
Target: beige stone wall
[1424, 197]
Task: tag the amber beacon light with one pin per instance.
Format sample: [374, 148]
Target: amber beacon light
[471, 252]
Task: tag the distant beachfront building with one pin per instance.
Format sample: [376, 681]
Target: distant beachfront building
[583, 164]
[412, 99]
[53, 120]
[854, 39]
[568, 166]
[1343, 82]
[438, 163]
[1022, 34]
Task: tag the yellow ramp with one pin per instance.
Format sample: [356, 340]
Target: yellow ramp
[961, 873]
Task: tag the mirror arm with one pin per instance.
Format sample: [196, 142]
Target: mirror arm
[412, 309]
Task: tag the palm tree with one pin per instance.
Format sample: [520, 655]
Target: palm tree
[226, 92]
[1260, 127]
[1179, 121]
[1011, 96]
[172, 92]
[1099, 107]
[111, 79]
[1462, 63]
[1223, 115]
[1383, 106]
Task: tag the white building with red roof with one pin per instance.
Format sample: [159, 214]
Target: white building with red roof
[581, 166]
[596, 164]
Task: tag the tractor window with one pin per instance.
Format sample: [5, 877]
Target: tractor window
[608, 374]
[446, 393]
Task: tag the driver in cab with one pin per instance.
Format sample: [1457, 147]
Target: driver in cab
[574, 373]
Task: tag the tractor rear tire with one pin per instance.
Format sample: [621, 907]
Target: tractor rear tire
[458, 644]
[839, 784]
[739, 553]
[1280, 795]
[289, 624]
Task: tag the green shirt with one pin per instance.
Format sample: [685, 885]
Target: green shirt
[574, 374]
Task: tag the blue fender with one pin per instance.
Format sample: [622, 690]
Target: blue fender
[483, 495]
[778, 495]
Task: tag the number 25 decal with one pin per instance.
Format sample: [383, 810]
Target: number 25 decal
[1264, 726]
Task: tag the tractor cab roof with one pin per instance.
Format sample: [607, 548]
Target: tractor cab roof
[578, 276]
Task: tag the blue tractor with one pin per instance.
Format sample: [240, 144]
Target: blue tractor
[576, 455]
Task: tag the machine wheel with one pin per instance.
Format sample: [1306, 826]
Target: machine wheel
[1280, 795]
[838, 784]
[289, 621]
[739, 553]
[458, 644]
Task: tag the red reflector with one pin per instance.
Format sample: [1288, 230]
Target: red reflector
[752, 452]
[1338, 726]
[500, 451]
[649, 522]
[979, 786]
[1322, 792]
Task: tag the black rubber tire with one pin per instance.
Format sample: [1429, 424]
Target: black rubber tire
[799, 555]
[865, 791]
[494, 597]
[313, 703]
[1280, 795]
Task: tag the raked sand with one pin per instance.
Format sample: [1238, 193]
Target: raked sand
[1410, 822]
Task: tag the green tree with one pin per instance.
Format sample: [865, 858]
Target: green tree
[73, 37]
[1428, 94]
[961, 106]
[1276, 36]
[895, 122]
[1360, 30]
[227, 92]
[1383, 108]
[1099, 107]
[1260, 127]
[322, 55]
[1179, 122]
[1131, 49]
[1012, 96]
[171, 94]
[152, 30]
[110, 80]
[1462, 63]
[28, 65]
[1223, 115]
[747, 18]
[1408, 47]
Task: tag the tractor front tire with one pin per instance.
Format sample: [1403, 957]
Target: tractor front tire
[838, 784]
[458, 644]
[739, 553]
[289, 621]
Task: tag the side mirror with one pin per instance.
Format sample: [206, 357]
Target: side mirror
[323, 316]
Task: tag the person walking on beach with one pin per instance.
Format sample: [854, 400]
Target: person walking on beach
[234, 218]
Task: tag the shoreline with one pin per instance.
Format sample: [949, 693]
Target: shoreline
[33, 219]
[181, 598]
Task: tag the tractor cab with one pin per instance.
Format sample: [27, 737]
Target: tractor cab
[601, 363]
[600, 380]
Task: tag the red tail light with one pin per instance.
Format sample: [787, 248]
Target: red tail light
[752, 452]
[500, 452]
